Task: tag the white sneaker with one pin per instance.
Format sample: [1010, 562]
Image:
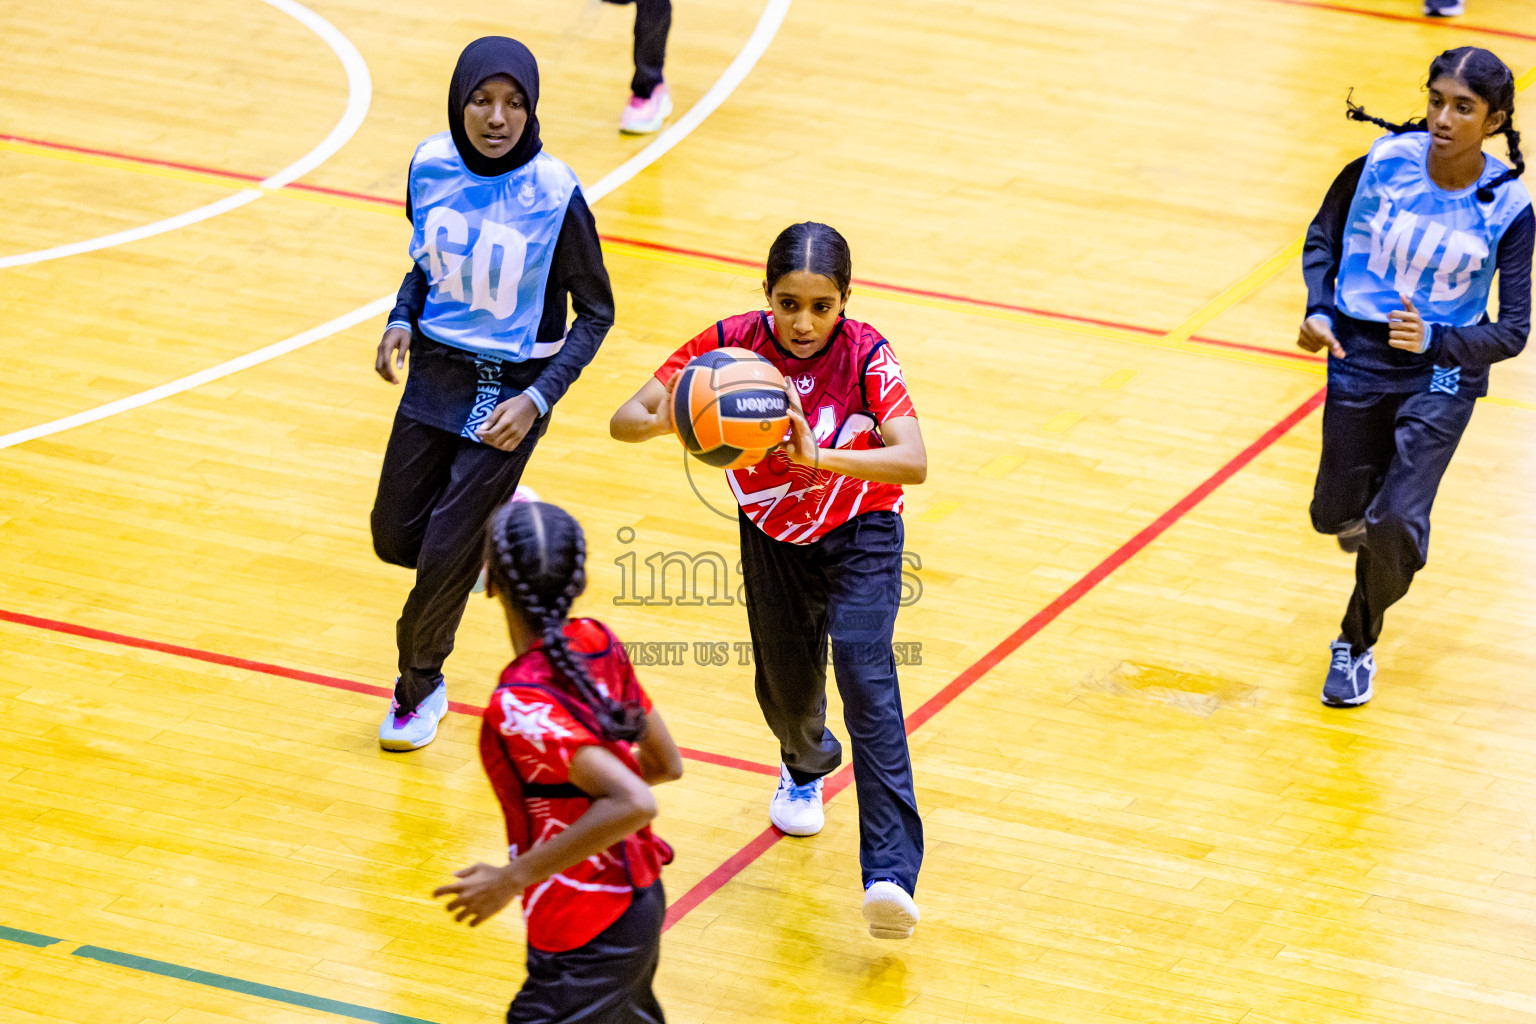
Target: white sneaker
[796, 810]
[644, 116]
[889, 910]
[417, 729]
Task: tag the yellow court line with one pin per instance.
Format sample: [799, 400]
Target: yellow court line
[1513, 403]
[1256, 279]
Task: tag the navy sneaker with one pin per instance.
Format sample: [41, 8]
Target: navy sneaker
[1349, 678]
[1444, 8]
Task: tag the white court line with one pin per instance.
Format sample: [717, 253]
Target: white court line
[767, 26]
[359, 95]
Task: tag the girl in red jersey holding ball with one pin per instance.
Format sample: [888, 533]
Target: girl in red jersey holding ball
[821, 543]
[571, 744]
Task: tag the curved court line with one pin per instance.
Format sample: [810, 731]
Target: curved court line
[757, 44]
[359, 96]
[735, 73]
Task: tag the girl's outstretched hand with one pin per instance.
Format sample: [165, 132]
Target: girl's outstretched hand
[1317, 334]
[482, 894]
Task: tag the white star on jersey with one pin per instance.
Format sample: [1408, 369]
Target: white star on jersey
[530, 721]
[885, 366]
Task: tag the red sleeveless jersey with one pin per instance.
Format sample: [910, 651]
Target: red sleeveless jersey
[848, 389]
[528, 735]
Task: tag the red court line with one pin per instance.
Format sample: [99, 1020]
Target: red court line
[1295, 354]
[839, 781]
[335, 682]
[964, 300]
[195, 168]
[1411, 19]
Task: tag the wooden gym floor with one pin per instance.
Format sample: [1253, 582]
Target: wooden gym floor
[1078, 225]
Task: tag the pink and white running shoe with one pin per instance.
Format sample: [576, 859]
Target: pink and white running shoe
[644, 116]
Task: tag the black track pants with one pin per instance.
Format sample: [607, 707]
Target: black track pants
[847, 585]
[653, 20]
[607, 981]
[1383, 457]
[436, 492]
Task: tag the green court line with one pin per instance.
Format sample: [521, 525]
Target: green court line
[228, 984]
[250, 988]
[26, 938]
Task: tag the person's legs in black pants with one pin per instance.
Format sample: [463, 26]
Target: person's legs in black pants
[653, 22]
[607, 981]
[445, 538]
[1357, 449]
[862, 561]
[1426, 431]
[787, 614]
[417, 463]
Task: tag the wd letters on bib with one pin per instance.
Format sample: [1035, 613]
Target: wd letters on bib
[1406, 236]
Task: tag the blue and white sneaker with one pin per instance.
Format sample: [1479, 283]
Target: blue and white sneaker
[1444, 8]
[1348, 684]
[416, 729]
[796, 810]
[889, 910]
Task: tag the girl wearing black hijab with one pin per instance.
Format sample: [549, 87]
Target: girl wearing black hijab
[501, 238]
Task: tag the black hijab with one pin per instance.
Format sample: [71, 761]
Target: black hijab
[487, 56]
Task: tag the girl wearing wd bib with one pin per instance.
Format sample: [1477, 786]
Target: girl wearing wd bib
[502, 237]
[571, 745]
[821, 543]
[1399, 263]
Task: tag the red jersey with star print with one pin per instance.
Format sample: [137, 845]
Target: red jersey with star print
[847, 390]
[528, 735]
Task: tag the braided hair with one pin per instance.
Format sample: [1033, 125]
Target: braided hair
[1488, 77]
[535, 557]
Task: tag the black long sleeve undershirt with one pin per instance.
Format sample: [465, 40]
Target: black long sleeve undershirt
[1486, 343]
[1324, 248]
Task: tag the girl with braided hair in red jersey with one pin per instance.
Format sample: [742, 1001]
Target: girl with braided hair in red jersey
[821, 551]
[571, 745]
